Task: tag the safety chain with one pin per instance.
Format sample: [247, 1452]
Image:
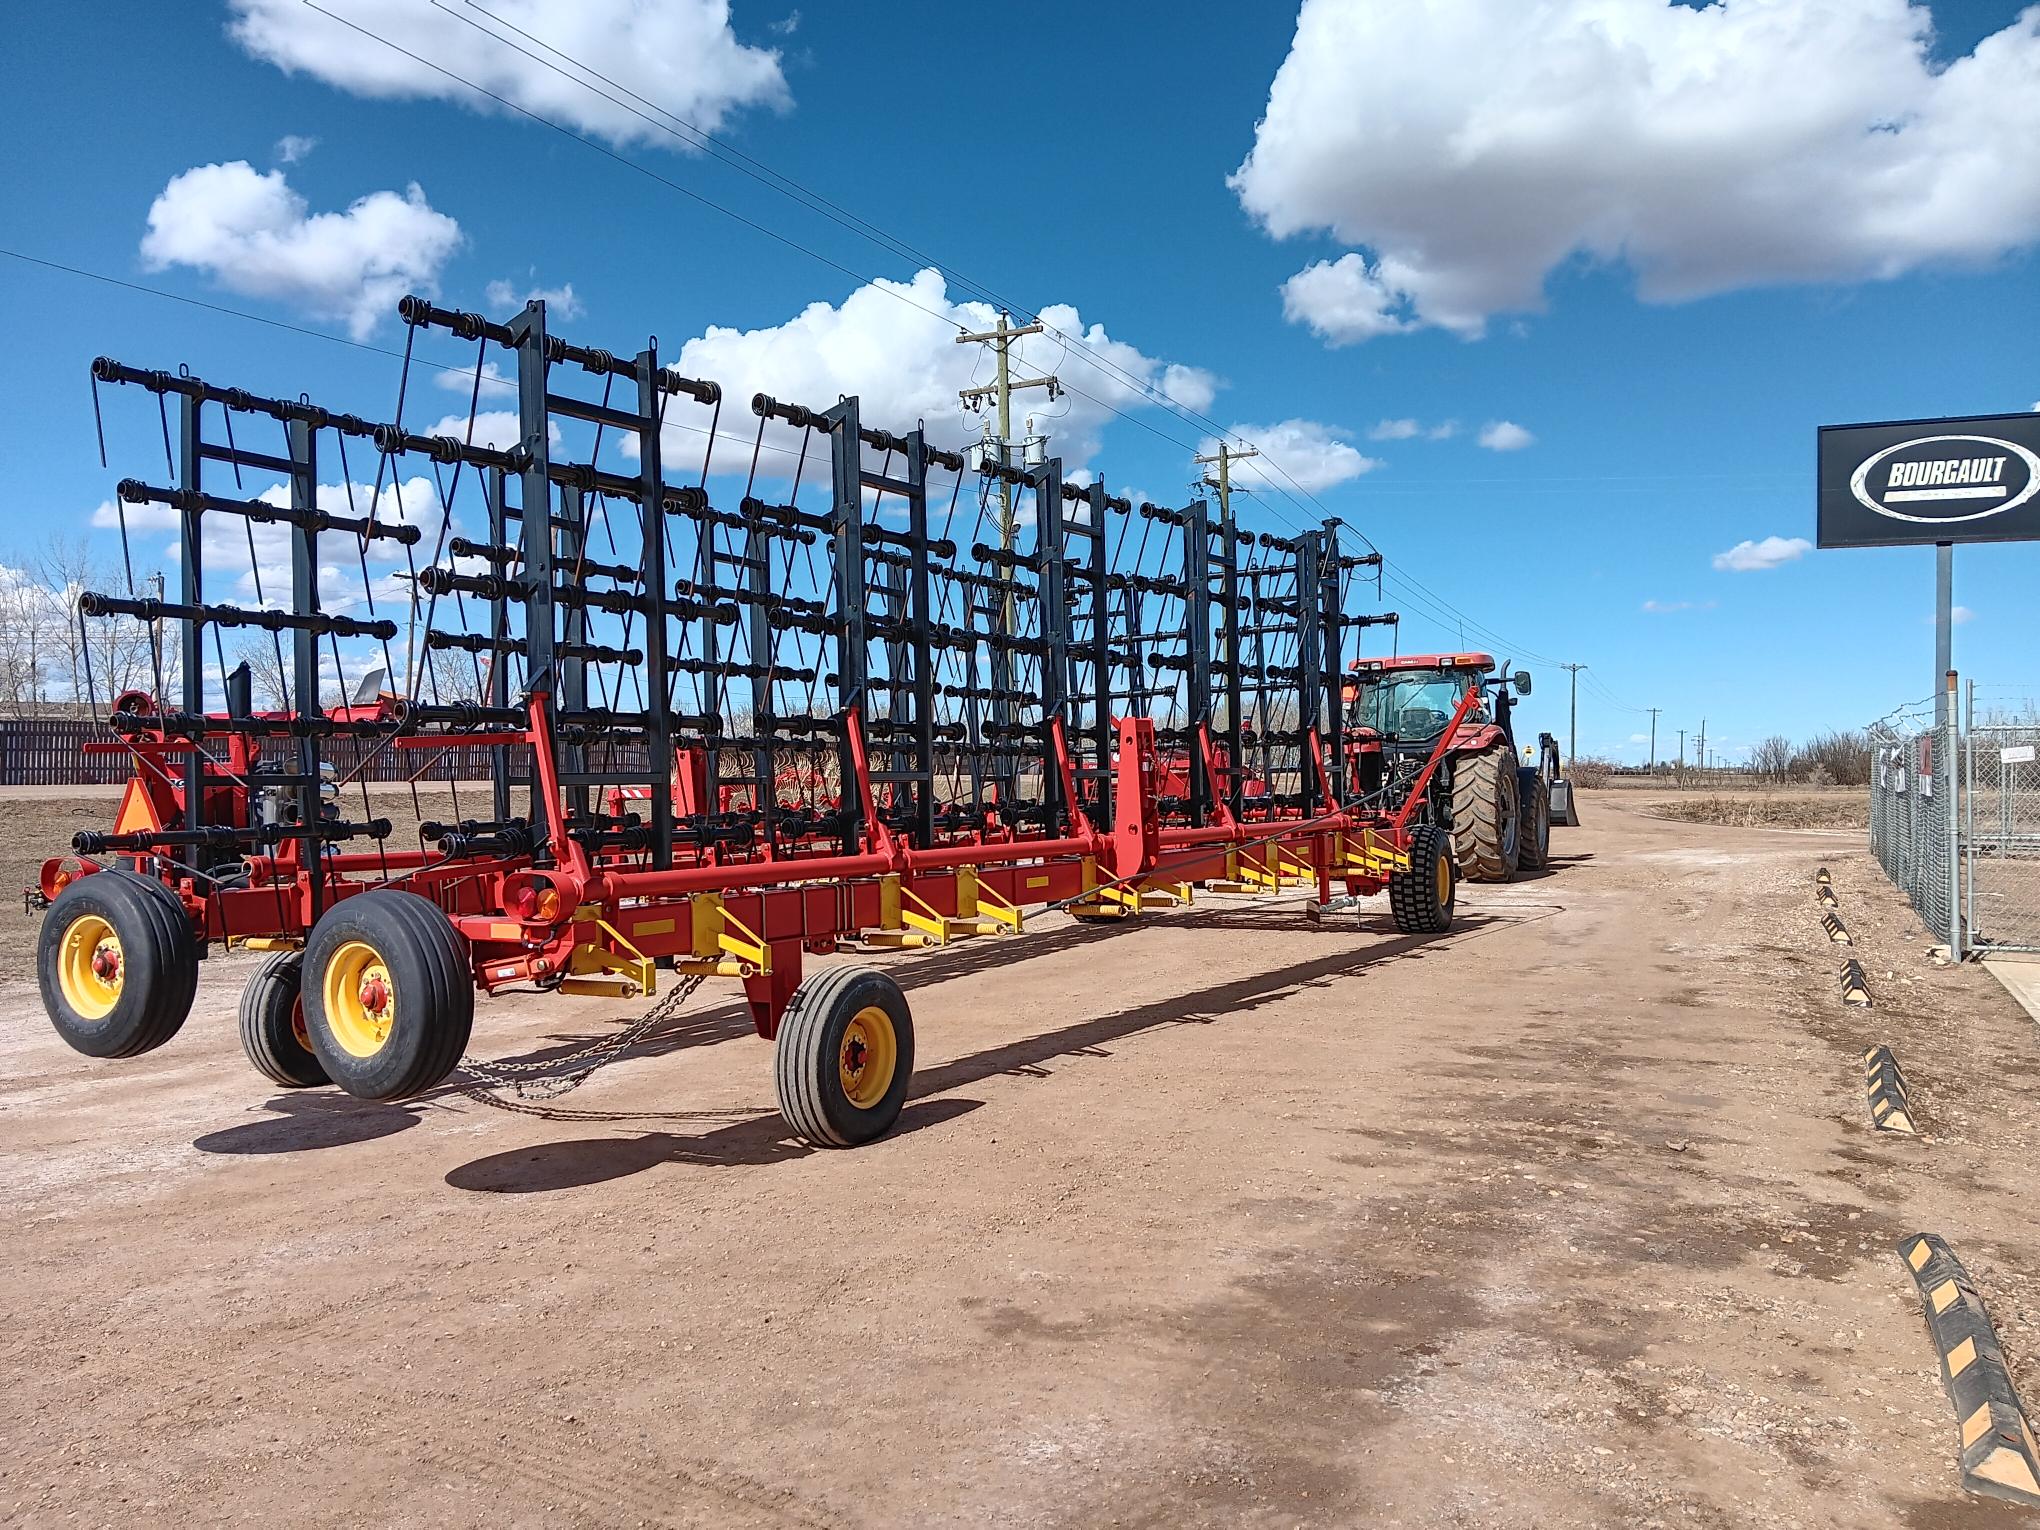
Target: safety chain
[549, 1078]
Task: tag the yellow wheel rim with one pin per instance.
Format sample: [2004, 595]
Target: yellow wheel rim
[361, 1002]
[869, 1056]
[1444, 879]
[91, 967]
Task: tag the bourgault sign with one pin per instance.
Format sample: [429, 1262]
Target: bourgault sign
[1909, 481]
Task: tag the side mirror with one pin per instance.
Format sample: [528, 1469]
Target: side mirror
[1521, 680]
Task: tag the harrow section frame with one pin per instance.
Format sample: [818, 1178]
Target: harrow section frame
[842, 725]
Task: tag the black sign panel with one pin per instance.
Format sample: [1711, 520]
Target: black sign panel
[1907, 481]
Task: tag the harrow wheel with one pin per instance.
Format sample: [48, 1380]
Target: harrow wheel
[844, 1055]
[1421, 898]
[389, 1000]
[273, 1029]
[117, 964]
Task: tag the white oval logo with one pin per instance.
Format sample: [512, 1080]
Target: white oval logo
[1941, 480]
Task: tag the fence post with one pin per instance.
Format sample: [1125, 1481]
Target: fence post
[1950, 744]
[1969, 808]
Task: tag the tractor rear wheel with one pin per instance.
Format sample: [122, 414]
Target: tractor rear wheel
[1487, 815]
[1535, 840]
[389, 998]
[844, 1056]
[117, 964]
[1421, 898]
[273, 1030]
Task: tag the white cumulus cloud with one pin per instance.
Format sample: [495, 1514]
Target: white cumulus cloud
[679, 55]
[1394, 430]
[1505, 436]
[893, 344]
[560, 301]
[292, 147]
[1313, 455]
[1751, 557]
[255, 236]
[1466, 149]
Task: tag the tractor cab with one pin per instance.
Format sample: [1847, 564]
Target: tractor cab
[1405, 703]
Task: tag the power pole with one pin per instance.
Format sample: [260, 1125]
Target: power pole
[1572, 747]
[1225, 457]
[1653, 739]
[1681, 773]
[1703, 747]
[1000, 393]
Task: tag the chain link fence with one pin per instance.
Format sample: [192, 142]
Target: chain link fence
[2001, 835]
[1909, 789]
[1992, 769]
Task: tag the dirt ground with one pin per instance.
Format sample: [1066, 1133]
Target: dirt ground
[1573, 1217]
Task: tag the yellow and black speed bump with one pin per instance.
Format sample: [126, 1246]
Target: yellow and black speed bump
[1821, 877]
[1997, 1453]
[1890, 1101]
[1837, 931]
[1826, 894]
[1855, 986]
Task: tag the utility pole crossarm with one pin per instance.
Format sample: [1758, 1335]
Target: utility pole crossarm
[1000, 335]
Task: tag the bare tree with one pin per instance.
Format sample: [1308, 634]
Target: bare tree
[1772, 759]
[269, 675]
[55, 659]
[1841, 758]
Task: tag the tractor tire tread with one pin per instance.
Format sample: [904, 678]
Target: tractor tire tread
[1478, 836]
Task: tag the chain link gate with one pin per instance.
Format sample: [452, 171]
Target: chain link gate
[2001, 836]
[1998, 820]
[1909, 788]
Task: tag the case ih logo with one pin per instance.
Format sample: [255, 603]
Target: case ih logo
[1939, 480]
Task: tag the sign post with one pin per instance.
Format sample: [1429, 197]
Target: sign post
[1910, 482]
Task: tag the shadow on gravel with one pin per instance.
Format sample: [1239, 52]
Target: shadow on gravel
[595, 1160]
[732, 1020]
[303, 1122]
[763, 1139]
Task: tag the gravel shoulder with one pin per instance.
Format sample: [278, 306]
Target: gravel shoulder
[1571, 1218]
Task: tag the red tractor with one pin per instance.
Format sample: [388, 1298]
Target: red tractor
[1496, 807]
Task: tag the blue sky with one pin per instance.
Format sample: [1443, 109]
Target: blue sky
[1670, 378]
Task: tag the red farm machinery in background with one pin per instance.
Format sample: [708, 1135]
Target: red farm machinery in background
[1449, 720]
[733, 720]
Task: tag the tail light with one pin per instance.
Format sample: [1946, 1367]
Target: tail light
[532, 899]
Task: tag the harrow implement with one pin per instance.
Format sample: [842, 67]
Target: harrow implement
[732, 718]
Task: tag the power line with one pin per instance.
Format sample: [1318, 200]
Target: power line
[330, 339]
[1143, 386]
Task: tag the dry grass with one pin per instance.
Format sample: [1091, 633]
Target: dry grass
[1770, 809]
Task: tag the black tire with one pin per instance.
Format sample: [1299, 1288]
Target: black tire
[1534, 842]
[1421, 899]
[1487, 815]
[832, 1014]
[117, 964]
[388, 994]
[273, 1029]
